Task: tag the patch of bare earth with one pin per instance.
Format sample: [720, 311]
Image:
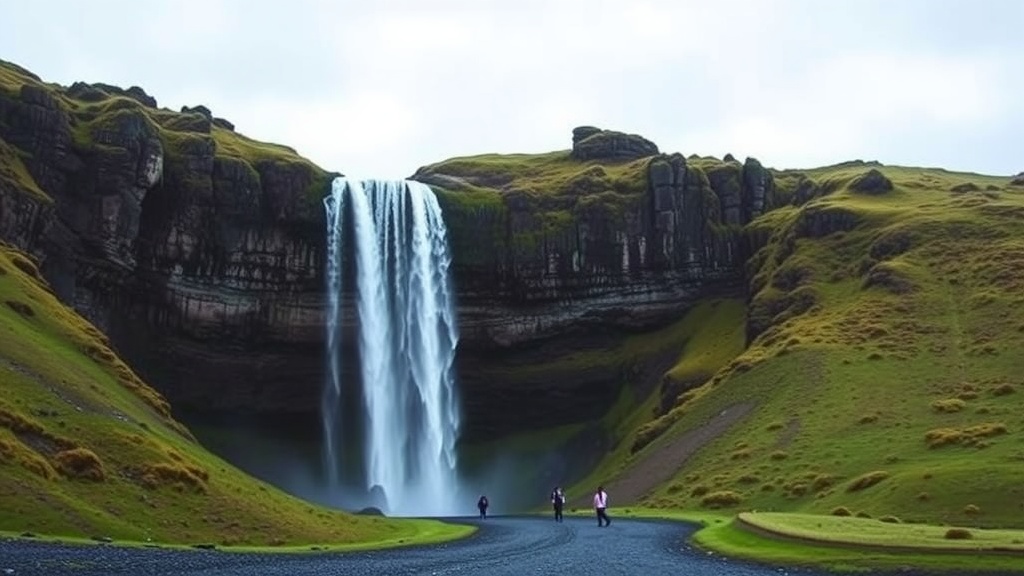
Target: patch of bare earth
[787, 436]
[663, 462]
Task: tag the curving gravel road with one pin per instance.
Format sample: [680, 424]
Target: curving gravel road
[503, 546]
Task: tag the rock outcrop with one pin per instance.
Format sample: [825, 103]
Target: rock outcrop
[871, 182]
[590, 143]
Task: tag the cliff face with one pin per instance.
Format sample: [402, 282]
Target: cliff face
[195, 248]
[201, 252]
[626, 238]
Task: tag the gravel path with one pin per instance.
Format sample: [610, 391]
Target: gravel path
[503, 546]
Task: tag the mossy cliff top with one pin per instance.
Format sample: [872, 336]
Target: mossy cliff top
[100, 115]
[604, 168]
[610, 206]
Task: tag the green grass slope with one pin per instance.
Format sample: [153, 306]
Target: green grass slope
[885, 361]
[87, 449]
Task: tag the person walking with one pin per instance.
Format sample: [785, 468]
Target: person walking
[558, 502]
[482, 504]
[601, 507]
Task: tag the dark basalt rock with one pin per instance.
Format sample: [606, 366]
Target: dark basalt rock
[370, 511]
[99, 91]
[200, 109]
[816, 221]
[589, 143]
[871, 182]
[965, 187]
[806, 190]
[224, 124]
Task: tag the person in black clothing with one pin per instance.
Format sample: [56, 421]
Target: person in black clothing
[557, 502]
[482, 504]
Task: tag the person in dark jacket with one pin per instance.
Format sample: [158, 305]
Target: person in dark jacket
[557, 502]
[482, 504]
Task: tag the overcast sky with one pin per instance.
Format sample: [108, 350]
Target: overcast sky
[379, 88]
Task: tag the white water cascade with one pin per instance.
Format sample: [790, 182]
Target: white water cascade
[407, 335]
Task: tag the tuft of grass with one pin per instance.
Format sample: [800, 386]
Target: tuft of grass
[958, 534]
[865, 481]
[1003, 389]
[841, 511]
[176, 476]
[721, 499]
[948, 405]
[80, 464]
[822, 481]
[968, 436]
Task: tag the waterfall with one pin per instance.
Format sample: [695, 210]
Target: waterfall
[407, 337]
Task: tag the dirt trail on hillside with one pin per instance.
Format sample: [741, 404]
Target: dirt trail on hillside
[662, 463]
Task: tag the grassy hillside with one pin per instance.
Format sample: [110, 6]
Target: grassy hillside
[88, 450]
[884, 359]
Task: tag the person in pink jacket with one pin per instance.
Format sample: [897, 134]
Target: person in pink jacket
[601, 507]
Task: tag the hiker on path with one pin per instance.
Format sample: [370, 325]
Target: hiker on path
[601, 507]
[482, 504]
[557, 502]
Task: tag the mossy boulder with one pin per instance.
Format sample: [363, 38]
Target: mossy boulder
[590, 143]
[871, 182]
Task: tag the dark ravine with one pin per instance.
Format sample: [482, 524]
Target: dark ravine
[200, 252]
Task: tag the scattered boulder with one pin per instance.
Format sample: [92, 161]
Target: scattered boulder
[1018, 180]
[222, 123]
[871, 182]
[86, 92]
[200, 109]
[965, 187]
[371, 511]
[590, 143]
